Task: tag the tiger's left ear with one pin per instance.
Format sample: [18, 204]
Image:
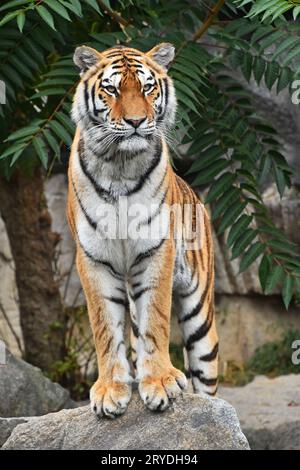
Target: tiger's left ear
[85, 57]
[162, 54]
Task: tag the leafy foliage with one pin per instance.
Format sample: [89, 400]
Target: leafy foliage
[271, 9]
[231, 149]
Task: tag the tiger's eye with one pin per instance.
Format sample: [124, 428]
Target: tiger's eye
[111, 89]
[147, 87]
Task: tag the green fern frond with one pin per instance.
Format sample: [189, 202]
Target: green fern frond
[270, 9]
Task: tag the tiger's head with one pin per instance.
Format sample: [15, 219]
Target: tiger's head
[125, 98]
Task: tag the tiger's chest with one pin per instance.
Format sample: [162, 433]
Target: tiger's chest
[118, 229]
[120, 232]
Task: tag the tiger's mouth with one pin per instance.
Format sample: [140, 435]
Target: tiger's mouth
[145, 134]
[138, 137]
[135, 141]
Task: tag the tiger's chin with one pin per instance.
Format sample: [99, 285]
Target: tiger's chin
[134, 143]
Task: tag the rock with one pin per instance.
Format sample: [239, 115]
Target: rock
[285, 212]
[10, 329]
[269, 411]
[56, 188]
[194, 422]
[7, 425]
[244, 323]
[25, 391]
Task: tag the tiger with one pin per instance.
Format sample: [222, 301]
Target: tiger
[124, 108]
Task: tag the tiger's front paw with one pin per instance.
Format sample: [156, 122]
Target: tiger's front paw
[156, 391]
[109, 398]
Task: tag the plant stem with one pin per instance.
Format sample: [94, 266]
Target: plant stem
[113, 14]
[210, 18]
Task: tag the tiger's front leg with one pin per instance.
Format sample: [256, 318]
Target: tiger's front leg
[107, 304]
[159, 381]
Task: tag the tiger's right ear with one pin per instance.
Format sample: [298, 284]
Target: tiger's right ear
[85, 57]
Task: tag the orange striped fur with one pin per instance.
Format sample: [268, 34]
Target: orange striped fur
[124, 107]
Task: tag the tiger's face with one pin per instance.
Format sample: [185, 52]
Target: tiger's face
[125, 98]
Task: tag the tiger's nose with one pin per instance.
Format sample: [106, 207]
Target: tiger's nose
[135, 122]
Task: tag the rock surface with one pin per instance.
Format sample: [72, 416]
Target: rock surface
[10, 329]
[194, 422]
[7, 425]
[56, 188]
[25, 391]
[244, 323]
[269, 411]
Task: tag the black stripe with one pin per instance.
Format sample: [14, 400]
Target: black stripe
[189, 293]
[200, 333]
[156, 212]
[115, 54]
[133, 60]
[140, 293]
[210, 356]
[114, 73]
[147, 254]
[135, 329]
[100, 261]
[199, 374]
[137, 284]
[165, 80]
[117, 300]
[103, 193]
[121, 290]
[162, 97]
[166, 99]
[121, 59]
[91, 222]
[119, 345]
[195, 311]
[86, 95]
[138, 273]
[93, 99]
[160, 184]
[138, 66]
[134, 54]
[155, 161]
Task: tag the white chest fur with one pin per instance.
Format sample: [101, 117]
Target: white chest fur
[120, 211]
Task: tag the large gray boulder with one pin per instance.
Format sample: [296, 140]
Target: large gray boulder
[25, 391]
[269, 411]
[194, 422]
